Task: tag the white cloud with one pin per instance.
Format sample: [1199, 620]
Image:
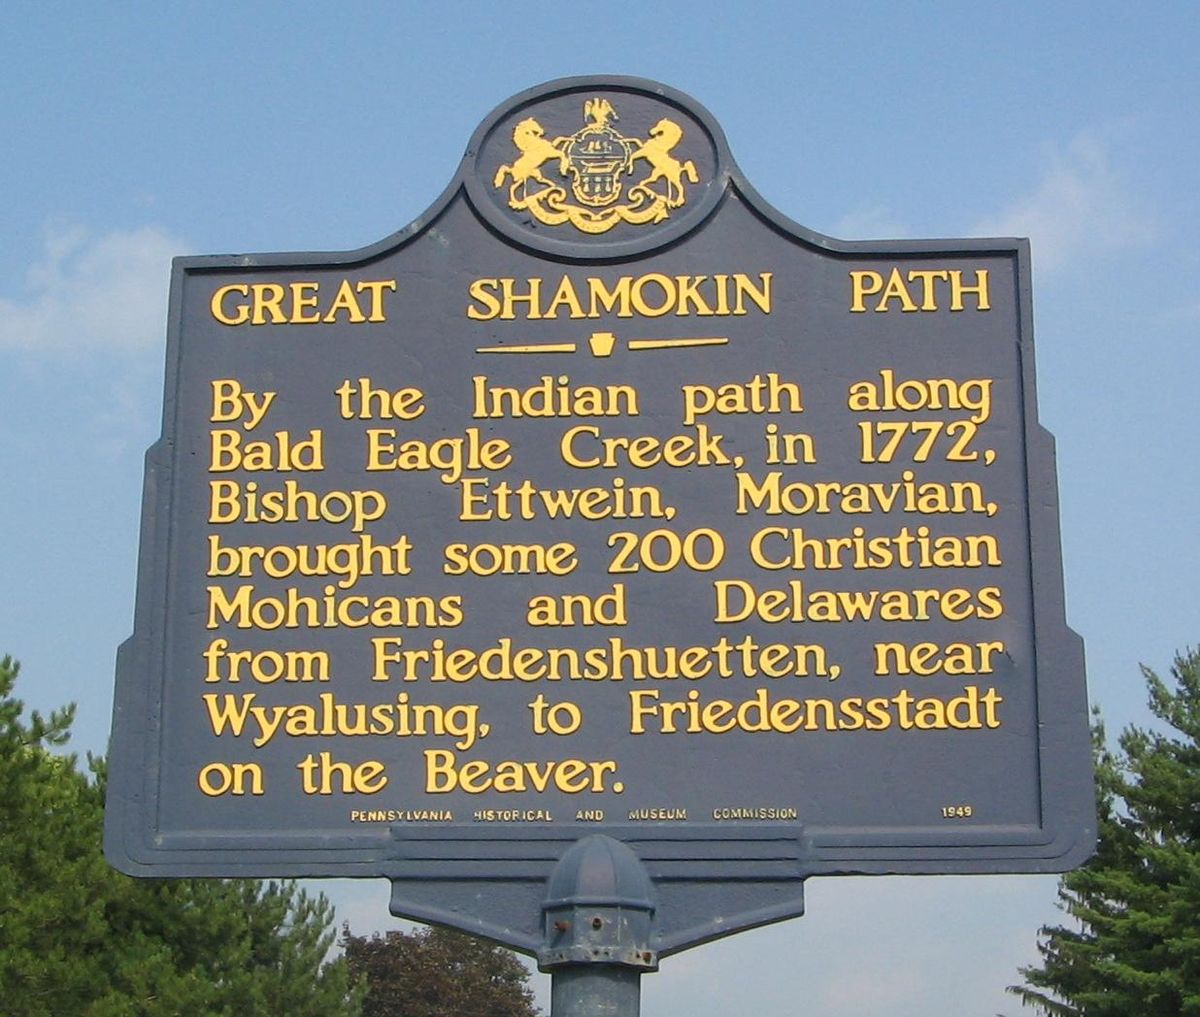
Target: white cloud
[93, 293]
[1082, 207]
[870, 222]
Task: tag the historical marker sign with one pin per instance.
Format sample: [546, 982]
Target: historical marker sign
[601, 498]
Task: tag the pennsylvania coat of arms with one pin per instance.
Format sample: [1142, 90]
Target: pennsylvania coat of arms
[595, 163]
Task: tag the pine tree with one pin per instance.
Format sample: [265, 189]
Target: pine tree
[436, 972]
[1134, 947]
[78, 939]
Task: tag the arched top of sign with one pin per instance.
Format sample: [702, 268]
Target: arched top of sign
[595, 168]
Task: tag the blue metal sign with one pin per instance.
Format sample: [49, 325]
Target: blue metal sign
[601, 499]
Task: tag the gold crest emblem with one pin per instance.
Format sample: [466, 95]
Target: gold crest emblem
[595, 162]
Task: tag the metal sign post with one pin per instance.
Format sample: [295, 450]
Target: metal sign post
[597, 914]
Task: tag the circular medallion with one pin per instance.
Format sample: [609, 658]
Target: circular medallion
[597, 167]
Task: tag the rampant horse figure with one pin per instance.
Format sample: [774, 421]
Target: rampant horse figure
[530, 137]
[656, 150]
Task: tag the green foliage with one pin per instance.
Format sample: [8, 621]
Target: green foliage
[1134, 947]
[437, 972]
[78, 939]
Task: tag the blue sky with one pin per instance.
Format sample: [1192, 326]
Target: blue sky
[135, 132]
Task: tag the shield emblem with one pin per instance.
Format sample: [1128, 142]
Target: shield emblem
[598, 155]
